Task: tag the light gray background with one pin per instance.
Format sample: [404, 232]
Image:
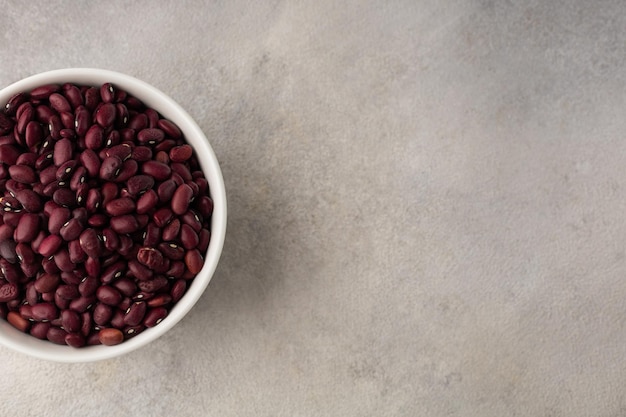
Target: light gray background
[427, 206]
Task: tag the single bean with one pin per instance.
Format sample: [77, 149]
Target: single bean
[91, 162]
[121, 115]
[62, 151]
[178, 289]
[8, 292]
[154, 284]
[120, 206]
[33, 134]
[14, 102]
[194, 261]
[64, 197]
[49, 266]
[166, 190]
[75, 340]
[129, 169]
[124, 224]
[40, 330]
[181, 153]
[110, 168]
[8, 250]
[107, 92]
[152, 235]
[141, 153]
[150, 135]
[146, 202]
[79, 176]
[176, 270]
[102, 314]
[88, 286]
[29, 200]
[9, 154]
[59, 103]
[170, 232]
[72, 95]
[62, 260]
[24, 253]
[77, 254]
[17, 321]
[56, 335]
[139, 271]
[90, 243]
[110, 239]
[86, 323]
[113, 272]
[72, 277]
[24, 118]
[110, 336]
[150, 257]
[193, 219]
[98, 220]
[170, 128]
[188, 237]
[139, 183]
[159, 300]
[126, 286]
[181, 199]
[108, 295]
[44, 312]
[44, 91]
[135, 313]
[71, 230]
[138, 122]
[162, 216]
[157, 170]
[47, 282]
[172, 251]
[65, 171]
[183, 171]
[92, 98]
[105, 115]
[82, 304]
[27, 227]
[68, 292]
[22, 173]
[70, 320]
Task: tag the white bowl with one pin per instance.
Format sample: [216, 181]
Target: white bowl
[168, 108]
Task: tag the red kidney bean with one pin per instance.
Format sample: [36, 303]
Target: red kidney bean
[147, 202]
[111, 336]
[77, 254]
[47, 282]
[65, 170]
[110, 167]
[8, 154]
[113, 272]
[44, 312]
[44, 91]
[90, 243]
[91, 162]
[126, 286]
[29, 200]
[154, 316]
[181, 199]
[108, 295]
[64, 197]
[14, 102]
[18, 321]
[159, 300]
[102, 314]
[24, 118]
[135, 313]
[11, 272]
[152, 235]
[27, 228]
[71, 321]
[22, 173]
[40, 329]
[8, 251]
[139, 271]
[194, 261]
[142, 153]
[88, 286]
[157, 170]
[33, 134]
[192, 219]
[75, 340]
[59, 103]
[170, 128]
[56, 335]
[24, 254]
[82, 304]
[150, 135]
[107, 92]
[150, 257]
[62, 151]
[180, 153]
[120, 206]
[172, 251]
[162, 217]
[94, 200]
[68, 292]
[170, 232]
[71, 278]
[79, 176]
[162, 157]
[166, 190]
[139, 183]
[92, 98]
[62, 260]
[71, 230]
[98, 220]
[128, 170]
[82, 120]
[72, 95]
[179, 287]
[153, 285]
[110, 239]
[138, 122]
[124, 224]
[126, 245]
[188, 237]
[105, 115]
[8, 292]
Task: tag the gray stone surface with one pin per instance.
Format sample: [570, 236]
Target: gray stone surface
[426, 199]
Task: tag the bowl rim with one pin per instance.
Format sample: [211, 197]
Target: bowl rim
[170, 109]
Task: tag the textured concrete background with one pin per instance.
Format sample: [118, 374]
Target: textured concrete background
[427, 206]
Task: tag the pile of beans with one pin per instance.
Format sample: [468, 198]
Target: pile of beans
[104, 214]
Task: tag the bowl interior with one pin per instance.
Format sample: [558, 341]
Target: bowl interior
[152, 97]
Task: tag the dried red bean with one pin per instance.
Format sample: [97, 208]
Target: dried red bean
[150, 135]
[44, 311]
[77, 254]
[139, 271]
[64, 197]
[98, 220]
[62, 151]
[33, 134]
[8, 292]
[105, 115]
[135, 313]
[82, 304]
[102, 314]
[188, 237]
[90, 243]
[142, 153]
[159, 300]
[18, 321]
[68, 292]
[29, 200]
[170, 232]
[157, 170]
[56, 335]
[108, 295]
[172, 251]
[181, 199]
[120, 206]
[71, 230]
[75, 340]
[40, 329]
[110, 336]
[47, 283]
[181, 153]
[27, 228]
[44, 91]
[154, 316]
[179, 287]
[139, 183]
[153, 285]
[194, 261]
[147, 202]
[124, 224]
[150, 257]
[162, 216]
[70, 321]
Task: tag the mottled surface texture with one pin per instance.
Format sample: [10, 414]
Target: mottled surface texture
[427, 206]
